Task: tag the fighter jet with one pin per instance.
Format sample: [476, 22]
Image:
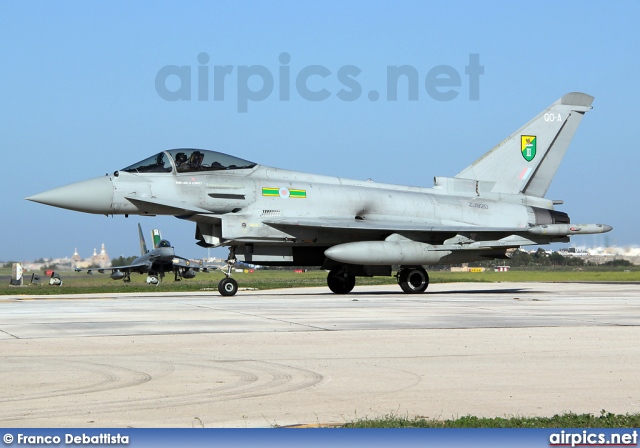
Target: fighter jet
[155, 262]
[276, 217]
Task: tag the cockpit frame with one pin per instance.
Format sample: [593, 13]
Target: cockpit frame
[189, 160]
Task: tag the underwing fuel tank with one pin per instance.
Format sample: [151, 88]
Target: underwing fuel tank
[117, 275]
[189, 273]
[383, 253]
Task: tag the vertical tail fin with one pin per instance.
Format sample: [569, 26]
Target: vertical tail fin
[156, 237]
[143, 244]
[528, 159]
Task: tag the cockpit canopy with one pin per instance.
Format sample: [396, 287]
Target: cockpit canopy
[188, 160]
[164, 243]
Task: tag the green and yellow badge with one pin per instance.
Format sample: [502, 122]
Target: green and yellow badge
[528, 147]
[284, 193]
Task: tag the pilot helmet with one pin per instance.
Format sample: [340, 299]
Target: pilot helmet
[181, 158]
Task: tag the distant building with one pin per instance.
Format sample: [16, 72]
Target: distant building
[76, 258]
[97, 259]
[102, 259]
[573, 252]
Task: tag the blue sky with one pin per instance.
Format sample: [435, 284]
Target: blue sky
[79, 100]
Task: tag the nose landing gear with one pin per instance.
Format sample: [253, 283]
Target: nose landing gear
[227, 286]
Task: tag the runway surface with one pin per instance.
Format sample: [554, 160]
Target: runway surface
[308, 356]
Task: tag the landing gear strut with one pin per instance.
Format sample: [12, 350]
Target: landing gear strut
[228, 286]
[413, 280]
[340, 281]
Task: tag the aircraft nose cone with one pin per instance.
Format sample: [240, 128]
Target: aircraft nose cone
[89, 196]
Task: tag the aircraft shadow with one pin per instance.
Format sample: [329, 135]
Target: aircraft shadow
[356, 293]
[489, 291]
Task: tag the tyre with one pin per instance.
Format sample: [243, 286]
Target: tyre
[153, 280]
[228, 287]
[413, 280]
[339, 281]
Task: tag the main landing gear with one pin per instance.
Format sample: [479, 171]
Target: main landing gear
[412, 279]
[340, 281]
[227, 286]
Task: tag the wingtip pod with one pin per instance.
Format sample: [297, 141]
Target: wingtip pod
[570, 229]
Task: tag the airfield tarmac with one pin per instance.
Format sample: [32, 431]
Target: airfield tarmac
[306, 356]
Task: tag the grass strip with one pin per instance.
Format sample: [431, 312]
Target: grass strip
[567, 420]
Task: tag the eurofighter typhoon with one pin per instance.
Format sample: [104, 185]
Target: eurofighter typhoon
[155, 263]
[275, 217]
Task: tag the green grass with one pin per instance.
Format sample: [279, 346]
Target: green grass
[81, 283]
[569, 420]
[559, 275]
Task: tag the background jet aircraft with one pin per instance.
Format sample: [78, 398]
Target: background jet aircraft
[276, 217]
[155, 262]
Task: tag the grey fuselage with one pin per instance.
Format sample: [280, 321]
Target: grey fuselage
[246, 206]
[156, 260]
[239, 194]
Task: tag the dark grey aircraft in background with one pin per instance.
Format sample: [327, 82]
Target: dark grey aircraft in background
[275, 217]
[155, 263]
